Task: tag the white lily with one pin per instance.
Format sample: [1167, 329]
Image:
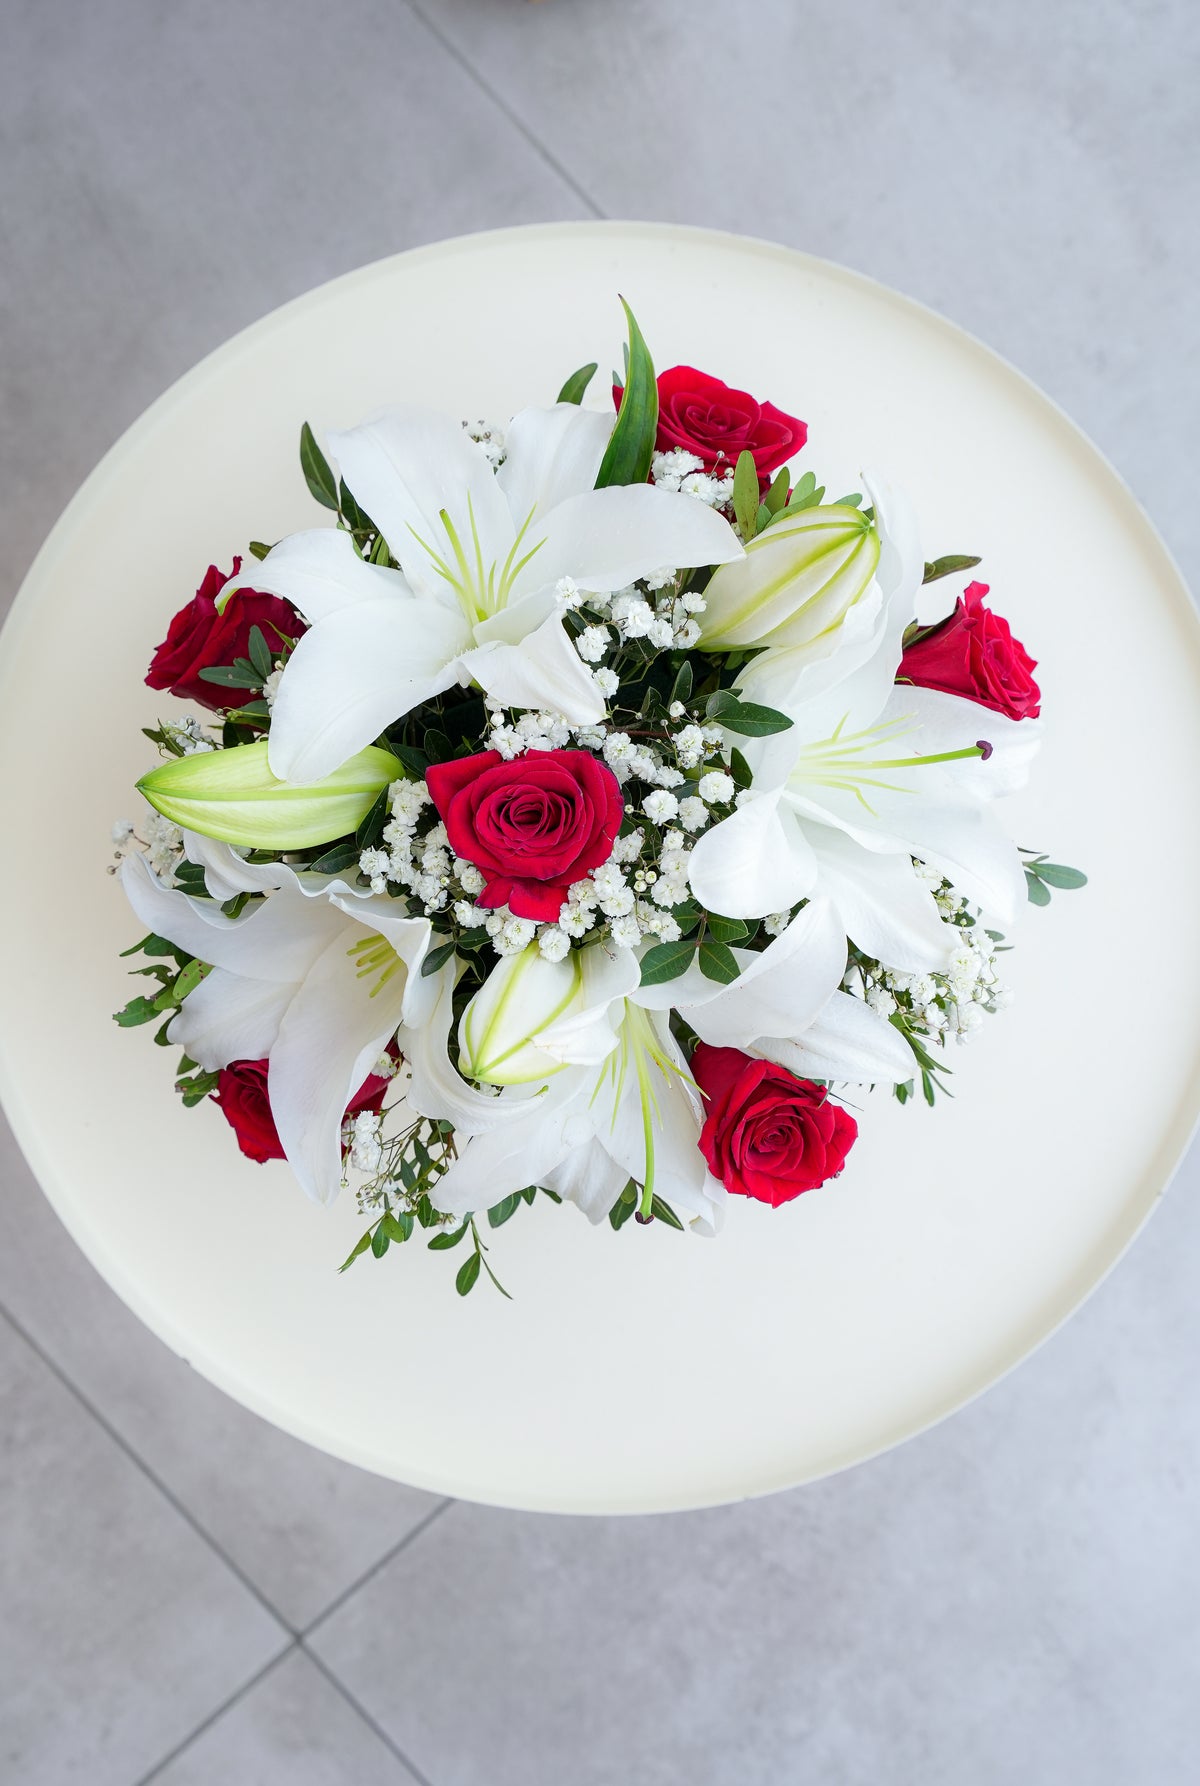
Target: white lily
[481, 556]
[870, 775]
[616, 1099]
[316, 978]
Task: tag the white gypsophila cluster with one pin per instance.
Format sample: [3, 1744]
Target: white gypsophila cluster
[938, 1005]
[363, 1136]
[271, 685]
[630, 897]
[655, 610]
[489, 440]
[162, 845]
[679, 470]
[187, 735]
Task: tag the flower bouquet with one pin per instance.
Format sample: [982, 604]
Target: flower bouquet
[577, 817]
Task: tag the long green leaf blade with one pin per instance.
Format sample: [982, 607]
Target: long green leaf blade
[631, 448]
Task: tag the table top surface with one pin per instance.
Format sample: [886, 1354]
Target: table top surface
[639, 1370]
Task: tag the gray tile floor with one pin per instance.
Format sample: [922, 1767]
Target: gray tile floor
[187, 1596]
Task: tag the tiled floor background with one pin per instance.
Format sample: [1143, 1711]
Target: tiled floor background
[188, 1597]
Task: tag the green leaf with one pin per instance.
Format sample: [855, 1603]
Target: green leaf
[1038, 895]
[1055, 875]
[342, 855]
[397, 1228]
[138, 1010]
[665, 1213]
[500, 1212]
[577, 384]
[258, 549]
[436, 958]
[718, 962]
[739, 768]
[189, 979]
[776, 497]
[442, 1242]
[631, 445]
[946, 567]
[620, 1213]
[230, 676]
[380, 1242]
[722, 702]
[727, 930]
[260, 655]
[681, 688]
[745, 495]
[371, 828]
[232, 795]
[468, 1273]
[666, 961]
[750, 720]
[414, 760]
[360, 1247]
[379, 551]
[317, 474]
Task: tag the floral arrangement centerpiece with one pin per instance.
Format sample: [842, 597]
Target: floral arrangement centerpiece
[577, 817]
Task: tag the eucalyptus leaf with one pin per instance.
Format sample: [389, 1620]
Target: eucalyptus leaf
[1038, 894]
[946, 567]
[750, 720]
[468, 1274]
[437, 958]
[718, 962]
[1056, 875]
[666, 961]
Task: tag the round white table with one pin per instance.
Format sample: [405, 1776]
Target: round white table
[640, 1370]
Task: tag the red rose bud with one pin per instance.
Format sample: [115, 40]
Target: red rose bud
[531, 827]
[241, 1096]
[716, 423]
[199, 638]
[768, 1134]
[973, 653]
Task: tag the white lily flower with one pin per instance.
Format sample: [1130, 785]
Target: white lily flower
[481, 555]
[786, 1005]
[316, 978]
[617, 1100]
[870, 775]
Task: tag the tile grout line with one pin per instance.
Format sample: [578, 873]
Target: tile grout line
[338, 1600]
[356, 1706]
[502, 106]
[141, 1465]
[218, 1712]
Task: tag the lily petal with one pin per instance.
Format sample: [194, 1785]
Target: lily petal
[608, 538]
[229, 1017]
[278, 939]
[355, 673]
[551, 455]
[330, 1037]
[408, 468]
[437, 1089]
[847, 1043]
[781, 988]
[756, 861]
[320, 573]
[543, 671]
[882, 905]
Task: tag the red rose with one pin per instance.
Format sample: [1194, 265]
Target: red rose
[973, 653]
[241, 1095]
[531, 827]
[199, 637]
[705, 417]
[768, 1134]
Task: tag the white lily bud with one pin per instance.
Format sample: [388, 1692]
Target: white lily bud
[797, 580]
[233, 796]
[522, 996]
